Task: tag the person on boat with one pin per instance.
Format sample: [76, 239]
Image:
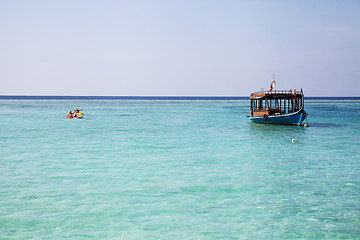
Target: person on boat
[76, 112]
[70, 114]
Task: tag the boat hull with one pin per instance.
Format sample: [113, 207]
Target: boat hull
[295, 118]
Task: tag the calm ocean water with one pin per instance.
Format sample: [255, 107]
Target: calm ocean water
[176, 168]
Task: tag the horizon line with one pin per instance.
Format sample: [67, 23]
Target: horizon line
[158, 96]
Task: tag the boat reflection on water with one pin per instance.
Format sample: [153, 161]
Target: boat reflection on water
[276, 134]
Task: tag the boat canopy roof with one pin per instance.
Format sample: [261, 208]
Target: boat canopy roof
[276, 94]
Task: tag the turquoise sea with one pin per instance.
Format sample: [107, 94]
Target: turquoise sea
[176, 168]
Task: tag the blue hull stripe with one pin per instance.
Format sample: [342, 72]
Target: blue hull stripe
[290, 119]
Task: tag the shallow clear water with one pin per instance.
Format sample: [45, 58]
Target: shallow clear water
[177, 169]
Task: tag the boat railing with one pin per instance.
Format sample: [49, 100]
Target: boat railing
[275, 92]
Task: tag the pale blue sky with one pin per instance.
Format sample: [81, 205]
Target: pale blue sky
[179, 48]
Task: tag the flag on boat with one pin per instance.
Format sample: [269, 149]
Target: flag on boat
[272, 85]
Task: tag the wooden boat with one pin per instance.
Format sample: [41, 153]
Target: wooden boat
[277, 107]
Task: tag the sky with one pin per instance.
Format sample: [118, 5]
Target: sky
[179, 47]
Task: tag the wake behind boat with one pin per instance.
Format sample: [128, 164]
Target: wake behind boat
[277, 106]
